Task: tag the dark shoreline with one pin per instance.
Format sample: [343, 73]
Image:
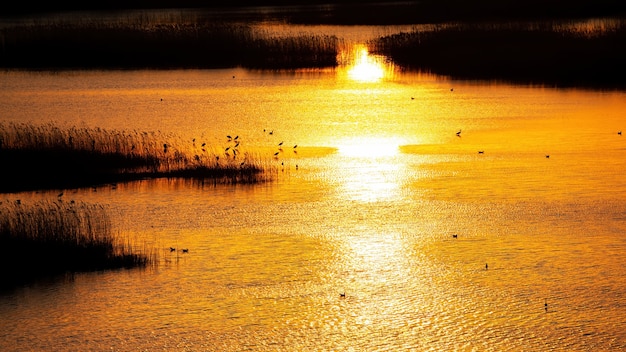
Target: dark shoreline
[475, 49]
[535, 54]
[379, 12]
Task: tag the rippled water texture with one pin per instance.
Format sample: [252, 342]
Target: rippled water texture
[366, 206]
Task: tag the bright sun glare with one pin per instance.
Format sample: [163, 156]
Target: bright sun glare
[369, 148]
[365, 67]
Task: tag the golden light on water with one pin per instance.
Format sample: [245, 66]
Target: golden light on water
[373, 173]
[369, 148]
[365, 67]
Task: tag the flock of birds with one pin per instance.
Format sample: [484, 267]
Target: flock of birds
[232, 149]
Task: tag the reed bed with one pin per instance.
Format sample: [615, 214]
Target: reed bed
[537, 53]
[49, 238]
[48, 157]
[104, 45]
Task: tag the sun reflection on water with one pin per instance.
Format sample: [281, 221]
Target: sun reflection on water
[371, 171]
[365, 67]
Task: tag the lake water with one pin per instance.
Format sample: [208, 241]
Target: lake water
[366, 206]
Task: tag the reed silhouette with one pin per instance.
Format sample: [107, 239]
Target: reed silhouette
[59, 45]
[549, 53]
[48, 157]
[48, 238]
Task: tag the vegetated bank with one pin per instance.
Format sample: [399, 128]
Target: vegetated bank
[36, 157]
[544, 53]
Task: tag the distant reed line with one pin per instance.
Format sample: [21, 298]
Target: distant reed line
[48, 157]
[48, 238]
[104, 45]
[525, 52]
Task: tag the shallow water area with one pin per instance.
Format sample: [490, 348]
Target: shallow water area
[383, 229]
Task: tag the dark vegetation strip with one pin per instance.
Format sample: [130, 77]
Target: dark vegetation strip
[352, 11]
[159, 46]
[35, 157]
[50, 238]
[528, 53]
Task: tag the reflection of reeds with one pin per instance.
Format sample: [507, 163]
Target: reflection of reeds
[188, 45]
[46, 156]
[55, 237]
[535, 53]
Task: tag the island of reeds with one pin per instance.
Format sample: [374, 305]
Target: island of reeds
[67, 46]
[52, 238]
[36, 157]
[541, 53]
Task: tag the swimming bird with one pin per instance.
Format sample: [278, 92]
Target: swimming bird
[547, 156]
[342, 295]
[481, 152]
[276, 154]
[486, 266]
[455, 236]
[185, 250]
[172, 249]
[295, 146]
[279, 144]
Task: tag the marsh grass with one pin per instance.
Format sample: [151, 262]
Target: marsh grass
[50, 238]
[45, 156]
[122, 45]
[523, 52]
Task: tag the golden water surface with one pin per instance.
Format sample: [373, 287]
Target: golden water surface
[384, 229]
